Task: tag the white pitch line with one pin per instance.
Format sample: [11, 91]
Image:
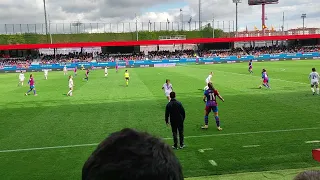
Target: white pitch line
[53, 147]
[213, 163]
[202, 150]
[251, 146]
[257, 76]
[310, 142]
[187, 137]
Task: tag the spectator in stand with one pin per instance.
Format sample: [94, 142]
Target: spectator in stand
[6, 60]
[132, 155]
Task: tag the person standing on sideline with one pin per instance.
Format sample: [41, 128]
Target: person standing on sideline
[176, 113]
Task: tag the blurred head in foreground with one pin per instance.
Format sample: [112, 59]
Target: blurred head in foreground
[132, 155]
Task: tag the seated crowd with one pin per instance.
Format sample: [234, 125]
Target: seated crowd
[153, 55]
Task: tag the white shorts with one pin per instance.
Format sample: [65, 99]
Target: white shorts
[21, 79]
[167, 93]
[314, 83]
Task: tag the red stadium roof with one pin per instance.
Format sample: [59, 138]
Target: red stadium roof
[156, 42]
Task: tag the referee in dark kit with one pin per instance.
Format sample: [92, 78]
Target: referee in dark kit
[176, 114]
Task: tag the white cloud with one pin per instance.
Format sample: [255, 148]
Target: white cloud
[120, 13]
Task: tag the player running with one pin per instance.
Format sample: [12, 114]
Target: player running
[32, 86]
[167, 87]
[21, 79]
[65, 70]
[211, 105]
[127, 77]
[87, 75]
[71, 85]
[75, 71]
[45, 74]
[117, 67]
[208, 80]
[314, 78]
[106, 71]
[265, 79]
[250, 67]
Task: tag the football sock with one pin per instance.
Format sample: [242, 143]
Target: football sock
[29, 91]
[127, 82]
[217, 121]
[69, 93]
[206, 121]
[34, 92]
[312, 89]
[317, 90]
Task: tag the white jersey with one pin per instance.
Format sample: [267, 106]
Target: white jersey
[65, 68]
[167, 89]
[106, 70]
[314, 78]
[21, 77]
[208, 79]
[45, 72]
[70, 83]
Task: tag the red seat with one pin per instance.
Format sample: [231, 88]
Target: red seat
[316, 154]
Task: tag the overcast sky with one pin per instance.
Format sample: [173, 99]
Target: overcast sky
[107, 11]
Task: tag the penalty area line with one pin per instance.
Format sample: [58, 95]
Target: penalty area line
[251, 146]
[258, 77]
[187, 137]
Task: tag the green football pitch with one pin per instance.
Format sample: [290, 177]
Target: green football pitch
[50, 136]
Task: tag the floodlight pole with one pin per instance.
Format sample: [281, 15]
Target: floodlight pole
[199, 15]
[213, 27]
[263, 18]
[45, 19]
[303, 16]
[237, 2]
[137, 28]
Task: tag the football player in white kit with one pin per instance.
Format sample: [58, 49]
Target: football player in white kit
[105, 71]
[70, 86]
[45, 74]
[65, 71]
[208, 80]
[21, 79]
[314, 79]
[167, 87]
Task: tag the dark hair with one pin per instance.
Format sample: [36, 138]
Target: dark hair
[172, 95]
[210, 85]
[167, 80]
[314, 69]
[132, 155]
[30, 75]
[264, 70]
[308, 175]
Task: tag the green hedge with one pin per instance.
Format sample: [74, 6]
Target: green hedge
[102, 37]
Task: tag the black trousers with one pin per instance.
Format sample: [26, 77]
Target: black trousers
[177, 128]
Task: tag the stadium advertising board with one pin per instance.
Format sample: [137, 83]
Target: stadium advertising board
[259, 2]
[166, 62]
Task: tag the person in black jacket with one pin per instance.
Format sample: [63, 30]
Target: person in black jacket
[175, 112]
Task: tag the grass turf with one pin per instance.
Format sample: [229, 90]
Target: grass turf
[250, 116]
